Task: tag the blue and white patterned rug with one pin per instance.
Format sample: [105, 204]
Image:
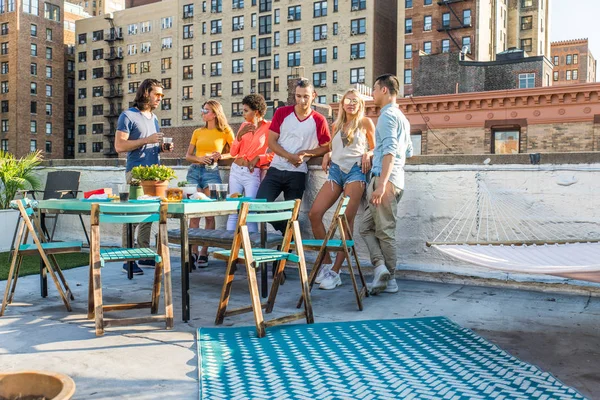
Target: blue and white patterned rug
[419, 358]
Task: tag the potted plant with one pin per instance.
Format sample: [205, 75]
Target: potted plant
[154, 178]
[15, 174]
[135, 189]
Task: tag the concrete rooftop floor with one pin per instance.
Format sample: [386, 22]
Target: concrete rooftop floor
[558, 332]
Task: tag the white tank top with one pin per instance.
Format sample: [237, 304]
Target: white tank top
[345, 154]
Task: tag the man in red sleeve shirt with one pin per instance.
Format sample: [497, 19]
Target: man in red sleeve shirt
[296, 134]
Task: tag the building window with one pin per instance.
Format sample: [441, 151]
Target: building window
[187, 92]
[359, 5]
[526, 81]
[237, 88]
[187, 112]
[264, 69]
[4, 145]
[357, 75]
[4, 106]
[427, 23]
[165, 63]
[216, 69]
[408, 25]
[97, 147]
[4, 28]
[33, 126]
[505, 142]
[568, 75]
[52, 12]
[276, 39]
[358, 26]
[237, 66]
[466, 43]
[165, 122]
[294, 59]
[575, 75]
[427, 2]
[166, 83]
[32, 145]
[4, 68]
[408, 76]
[4, 126]
[319, 32]
[4, 87]
[407, 51]
[33, 50]
[237, 45]
[48, 53]
[98, 109]
[319, 79]
[357, 51]
[555, 60]
[526, 3]
[216, 48]
[294, 13]
[320, 56]
[188, 31]
[131, 69]
[33, 30]
[446, 20]
[264, 47]
[555, 76]
[526, 23]
[264, 25]
[467, 17]
[97, 129]
[81, 148]
[264, 88]
[527, 45]
[165, 104]
[33, 88]
[166, 22]
[216, 26]
[446, 46]
[294, 36]
[427, 47]
[569, 59]
[319, 9]
[188, 52]
[575, 58]
[48, 90]
[48, 128]
[188, 10]
[81, 38]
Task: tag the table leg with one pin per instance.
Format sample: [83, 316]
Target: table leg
[43, 277]
[129, 245]
[263, 266]
[185, 270]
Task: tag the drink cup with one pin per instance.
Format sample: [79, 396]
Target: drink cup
[222, 191]
[168, 141]
[213, 190]
[213, 165]
[123, 192]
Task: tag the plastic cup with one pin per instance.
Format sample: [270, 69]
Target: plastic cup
[222, 190]
[213, 165]
[123, 192]
[168, 141]
[212, 187]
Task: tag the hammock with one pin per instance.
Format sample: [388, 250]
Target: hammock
[500, 230]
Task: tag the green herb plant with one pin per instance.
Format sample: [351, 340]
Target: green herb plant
[153, 173]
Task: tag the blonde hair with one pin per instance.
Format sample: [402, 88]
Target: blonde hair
[220, 119]
[342, 118]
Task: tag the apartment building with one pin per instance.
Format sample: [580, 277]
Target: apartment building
[573, 62]
[223, 50]
[479, 29]
[32, 84]
[100, 7]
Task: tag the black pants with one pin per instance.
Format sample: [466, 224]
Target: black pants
[292, 184]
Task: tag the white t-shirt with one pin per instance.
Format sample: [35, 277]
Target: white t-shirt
[296, 135]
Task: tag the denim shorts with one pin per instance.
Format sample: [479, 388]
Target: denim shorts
[339, 177]
[201, 177]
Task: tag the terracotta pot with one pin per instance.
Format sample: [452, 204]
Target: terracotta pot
[155, 188]
[47, 385]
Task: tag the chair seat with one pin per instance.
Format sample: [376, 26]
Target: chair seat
[52, 247]
[221, 238]
[124, 254]
[317, 243]
[260, 255]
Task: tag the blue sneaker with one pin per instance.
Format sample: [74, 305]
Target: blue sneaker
[147, 263]
[136, 269]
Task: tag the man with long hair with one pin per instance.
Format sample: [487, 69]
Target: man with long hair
[297, 133]
[138, 134]
[392, 146]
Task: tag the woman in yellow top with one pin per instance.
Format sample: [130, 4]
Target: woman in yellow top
[208, 145]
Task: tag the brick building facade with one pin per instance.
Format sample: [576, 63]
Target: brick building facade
[446, 73]
[573, 62]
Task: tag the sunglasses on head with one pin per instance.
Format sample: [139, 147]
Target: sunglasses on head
[350, 101]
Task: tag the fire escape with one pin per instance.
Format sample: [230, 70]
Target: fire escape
[114, 94]
[454, 21]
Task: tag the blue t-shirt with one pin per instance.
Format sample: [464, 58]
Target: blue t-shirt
[138, 126]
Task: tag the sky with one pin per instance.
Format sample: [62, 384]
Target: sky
[576, 19]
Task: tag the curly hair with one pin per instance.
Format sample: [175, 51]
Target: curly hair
[256, 102]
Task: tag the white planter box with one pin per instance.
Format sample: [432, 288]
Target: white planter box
[8, 222]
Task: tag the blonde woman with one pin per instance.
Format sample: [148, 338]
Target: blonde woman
[347, 163]
[208, 145]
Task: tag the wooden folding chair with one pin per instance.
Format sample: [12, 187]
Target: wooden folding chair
[28, 226]
[345, 244]
[241, 250]
[129, 214]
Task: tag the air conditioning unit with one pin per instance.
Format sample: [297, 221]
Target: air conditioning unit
[213, 73]
[81, 96]
[185, 117]
[213, 31]
[323, 84]
[213, 94]
[235, 27]
[252, 90]
[184, 98]
[241, 26]
[234, 6]
[213, 10]
[290, 17]
[353, 57]
[361, 80]
[98, 57]
[352, 33]
[355, 8]
[323, 36]
[164, 71]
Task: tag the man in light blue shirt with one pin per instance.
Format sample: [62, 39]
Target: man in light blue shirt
[392, 146]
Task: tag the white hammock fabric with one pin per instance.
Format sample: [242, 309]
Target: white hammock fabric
[501, 230]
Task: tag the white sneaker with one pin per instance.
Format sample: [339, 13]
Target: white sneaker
[380, 279]
[392, 286]
[323, 272]
[331, 281]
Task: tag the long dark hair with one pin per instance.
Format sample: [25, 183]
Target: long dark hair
[142, 96]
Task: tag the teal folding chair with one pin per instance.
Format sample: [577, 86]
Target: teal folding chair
[241, 250]
[29, 226]
[129, 214]
[344, 244]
